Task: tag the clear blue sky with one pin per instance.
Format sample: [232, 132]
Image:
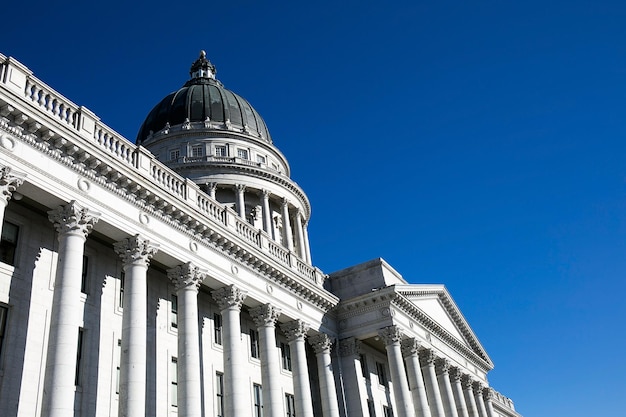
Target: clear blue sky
[476, 144]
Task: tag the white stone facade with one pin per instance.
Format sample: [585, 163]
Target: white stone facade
[128, 289]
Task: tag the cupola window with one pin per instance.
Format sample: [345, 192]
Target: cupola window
[260, 159]
[197, 151]
[242, 153]
[220, 150]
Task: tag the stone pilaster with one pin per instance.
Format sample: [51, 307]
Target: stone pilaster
[442, 367]
[73, 223]
[287, 234]
[136, 253]
[236, 392]
[466, 383]
[457, 390]
[187, 279]
[392, 336]
[265, 317]
[410, 351]
[322, 344]
[295, 331]
[427, 361]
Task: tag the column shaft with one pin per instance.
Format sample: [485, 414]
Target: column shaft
[443, 377]
[410, 349]
[300, 235]
[241, 203]
[306, 245]
[478, 396]
[295, 332]
[427, 360]
[392, 336]
[322, 346]
[267, 215]
[353, 381]
[467, 382]
[457, 390]
[287, 235]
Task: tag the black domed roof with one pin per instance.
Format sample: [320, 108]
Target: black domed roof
[204, 99]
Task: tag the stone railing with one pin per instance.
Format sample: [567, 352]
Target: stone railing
[503, 400]
[19, 80]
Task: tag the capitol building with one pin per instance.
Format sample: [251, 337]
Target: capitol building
[172, 276]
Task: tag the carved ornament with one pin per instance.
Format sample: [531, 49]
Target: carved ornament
[186, 276]
[135, 250]
[72, 218]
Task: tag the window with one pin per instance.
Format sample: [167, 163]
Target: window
[380, 370]
[258, 401]
[174, 155]
[219, 393]
[387, 411]
[4, 312]
[242, 153]
[84, 275]
[8, 242]
[285, 354]
[220, 150]
[364, 369]
[197, 150]
[260, 159]
[119, 362]
[290, 405]
[370, 408]
[79, 356]
[254, 343]
[174, 383]
[217, 328]
[174, 311]
[122, 279]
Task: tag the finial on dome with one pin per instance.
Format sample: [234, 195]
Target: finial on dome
[202, 67]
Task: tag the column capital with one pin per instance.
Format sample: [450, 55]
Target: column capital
[294, 329]
[229, 297]
[265, 315]
[240, 187]
[427, 357]
[9, 181]
[467, 382]
[442, 366]
[410, 347]
[211, 186]
[321, 343]
[478, 388]
[488, 394]
[73, 219]
[284, 202]
[186, 276]
[349, 347]
[390, 335]
[135, 250]
[265, 194]
[455, 374]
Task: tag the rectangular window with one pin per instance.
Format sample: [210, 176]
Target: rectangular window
[79, 356]
[285, 354]
[174, 383]
[8, 242]
[258, 401]
[4, 313]
[220, 151]
[174, 155]
[119, 362]
[174, 312]
[242, 153]
[219, 393]
[387, 411]
[122, 279]
[382, 377]
[290, 405]
[197, 150]
[364, 369]
[84, 275]
[254, 343]
[370, 408]
[217, 328]
[260, 159]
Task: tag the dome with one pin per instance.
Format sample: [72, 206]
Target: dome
[204, 103]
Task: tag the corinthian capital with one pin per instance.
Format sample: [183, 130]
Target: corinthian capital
[427, 357]
[294, 330]
[135, 250]
[455, 374]
[186, 276]
[466, 382]
[9, 181]
[321, 343]
[265, 315]
[489, 394]
[442, 365]
[410, 347]
[349, 347]
[390, 335]
[229, 297]
[74, 219]
[478, 388]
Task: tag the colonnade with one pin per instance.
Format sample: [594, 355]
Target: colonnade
[424, 385]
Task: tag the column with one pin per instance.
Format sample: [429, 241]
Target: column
[457, 390]
[295, 331]
[392, 336]
[427, 361]
[478, 396]
[267, 215]
[265, 317]
[9, 181]
[73, 223]
[467, 382]
[236, 390]
[241, 203]
[136, 253]
[300, 234]
[443, 376]
[211, 187]
[187, 279]
[306, 245]
[488, 396]
[287, 235]
[352, 377]
[322, 345]
[410, 349]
